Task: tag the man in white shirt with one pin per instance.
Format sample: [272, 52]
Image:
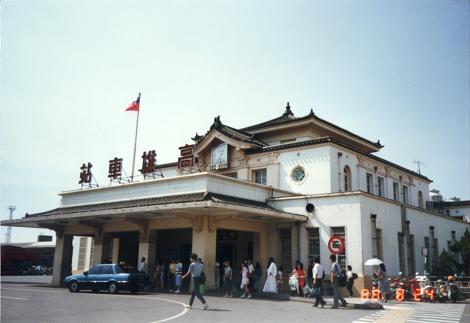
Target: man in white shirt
[142, 265]
[318, 274]
[334, 278]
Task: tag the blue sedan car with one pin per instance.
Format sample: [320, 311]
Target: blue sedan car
[110, 277]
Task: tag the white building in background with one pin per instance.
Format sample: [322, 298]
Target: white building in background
[454, 207]
[279, 188]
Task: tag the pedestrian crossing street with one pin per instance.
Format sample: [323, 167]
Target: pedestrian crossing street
[434, 313]
[422, 313]
[371, 317]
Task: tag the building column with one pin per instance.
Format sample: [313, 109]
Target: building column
[260, 248]
[101, 248]
[204, 245]
[62, 258]
[115, 252]
[148, 249]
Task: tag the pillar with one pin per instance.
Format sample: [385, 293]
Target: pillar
[101, 248]
[62, 258]
[115, 252]
[260, 248]
[148, 249]
[204, 245]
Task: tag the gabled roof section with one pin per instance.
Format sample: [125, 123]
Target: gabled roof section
[227, 134]
[288, 118]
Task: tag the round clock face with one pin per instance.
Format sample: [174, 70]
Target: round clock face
[298, 174]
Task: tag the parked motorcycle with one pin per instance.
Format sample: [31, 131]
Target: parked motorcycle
[442, 292]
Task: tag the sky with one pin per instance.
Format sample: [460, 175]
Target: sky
[394, 70]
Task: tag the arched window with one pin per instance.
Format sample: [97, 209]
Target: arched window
[420, 199]
[347, 179]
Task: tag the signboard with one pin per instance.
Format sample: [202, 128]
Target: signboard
[424, 251]
[219, 157]
[336, 245]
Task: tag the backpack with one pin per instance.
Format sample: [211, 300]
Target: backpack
[355, 276]
[202, 278]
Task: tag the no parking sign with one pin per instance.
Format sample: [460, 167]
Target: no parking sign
[336, 245]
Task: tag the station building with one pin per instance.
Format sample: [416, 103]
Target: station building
[279, 188]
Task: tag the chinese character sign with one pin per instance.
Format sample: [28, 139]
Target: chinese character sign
[85, 174]
[115, 168]
[149, 159]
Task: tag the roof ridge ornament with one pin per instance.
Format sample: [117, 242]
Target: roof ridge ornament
[311, 113]
[217, 123]
[288, 112]
[196, 138]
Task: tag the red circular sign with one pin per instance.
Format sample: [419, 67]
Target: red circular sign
[336, 245]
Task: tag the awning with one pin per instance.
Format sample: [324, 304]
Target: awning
[194, 203]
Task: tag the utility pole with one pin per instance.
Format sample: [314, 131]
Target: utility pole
[8, 234]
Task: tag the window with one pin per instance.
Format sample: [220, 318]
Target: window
[428, 265]
[341, 258]
[260, 176]
[378, 237]
[411, 254]
[395, 191]
[380, 186]
[405, 194]
[95, 270]
[347, 179]
[233, 175]
[370, 188]
[298, 174]
[420, 199]
[313, 235]
[401, 251]
[107, 270]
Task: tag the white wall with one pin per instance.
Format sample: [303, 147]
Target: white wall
[317, 164]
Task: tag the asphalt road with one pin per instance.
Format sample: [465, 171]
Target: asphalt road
[36, 303]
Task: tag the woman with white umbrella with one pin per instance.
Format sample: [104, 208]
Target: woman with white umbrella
[382, 280]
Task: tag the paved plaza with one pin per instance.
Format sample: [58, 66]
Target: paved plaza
[40, 303]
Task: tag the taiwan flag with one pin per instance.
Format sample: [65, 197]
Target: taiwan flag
[135, 105]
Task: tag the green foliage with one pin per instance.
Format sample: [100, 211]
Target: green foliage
[464, 245]
[445, 265]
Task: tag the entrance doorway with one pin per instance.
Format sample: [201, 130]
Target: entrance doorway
[128, 247]
[234, 246]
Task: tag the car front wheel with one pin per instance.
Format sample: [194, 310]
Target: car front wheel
[112, 288]
[74, 287]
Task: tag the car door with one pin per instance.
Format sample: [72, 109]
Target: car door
[106, 274]
[93, 278]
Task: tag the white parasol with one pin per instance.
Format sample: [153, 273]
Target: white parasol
[373, 262]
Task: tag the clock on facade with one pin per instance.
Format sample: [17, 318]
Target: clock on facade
[298, 174]
[219, 156]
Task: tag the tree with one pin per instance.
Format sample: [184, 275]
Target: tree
[464, 246]
[445, 265]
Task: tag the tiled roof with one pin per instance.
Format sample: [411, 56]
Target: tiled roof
[183, 198]
[235, 134]
[323, 140]
[289, 118]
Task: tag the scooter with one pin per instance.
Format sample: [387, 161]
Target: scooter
[453, 289]
[442, 292]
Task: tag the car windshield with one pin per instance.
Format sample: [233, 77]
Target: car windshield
[126, 269]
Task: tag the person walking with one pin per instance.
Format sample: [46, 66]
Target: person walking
[178, 274]
[280, 279]
[157, 276]
[350, 280]
[270, 284]
[334, 278]
[227, 279]
[195, 270]
[318, 274]
[382, 281]
[171, 275]
[245, 272]
[257, 277]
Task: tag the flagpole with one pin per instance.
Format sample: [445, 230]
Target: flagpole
[135, 141]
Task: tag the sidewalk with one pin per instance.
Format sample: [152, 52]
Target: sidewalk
[353, 302]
